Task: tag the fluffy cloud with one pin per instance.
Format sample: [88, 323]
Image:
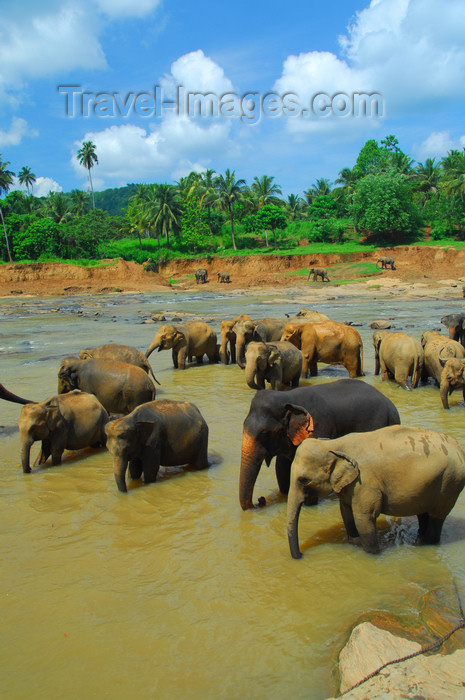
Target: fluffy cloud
[196, 73]
[44, 185]
[18, 130]
[437, 144]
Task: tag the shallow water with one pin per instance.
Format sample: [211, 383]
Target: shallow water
[171, 590]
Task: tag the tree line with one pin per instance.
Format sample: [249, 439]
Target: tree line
[386, 198]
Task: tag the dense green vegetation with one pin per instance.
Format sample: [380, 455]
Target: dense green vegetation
[384, 199]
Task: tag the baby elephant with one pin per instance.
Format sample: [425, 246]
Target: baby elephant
[64, 422]
[397, 470]
[318, 272]
[399, 356]
[452, 378]
[161, 432]
[191, 339]
[279, 363]
[224, 277]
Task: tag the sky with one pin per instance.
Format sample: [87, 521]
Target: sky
[163, 88]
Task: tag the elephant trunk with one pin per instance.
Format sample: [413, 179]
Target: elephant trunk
[224, 355]
[9, 396]
[294, 504]
[154, 345]
[250, 371]
[444, 391]
[119, 468]
[240, 352]
[26, 445]
[252, 456]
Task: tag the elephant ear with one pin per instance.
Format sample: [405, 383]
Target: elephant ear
[274, 356]
[446, 353]
[52, 414]
[345, 471]
[299, 423]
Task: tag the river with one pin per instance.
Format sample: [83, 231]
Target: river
[171, 591]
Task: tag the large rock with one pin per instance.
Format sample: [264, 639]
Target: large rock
[369, 647]
[380, 325]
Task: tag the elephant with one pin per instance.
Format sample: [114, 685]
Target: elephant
[396, 470]
[162, 432]
[438, 349]
[265, 329]
[279, 363]
[227, 351]
[279, 420]
[386, 262]
[191, 339]
[122, 353]
[326, 341]
[224, 277]
[399, 356]
[454, 324]
[307, 315]
[119, 386]
[318, 272]
[452, 378]
[65, 422]
[201, 276]
[9, 396]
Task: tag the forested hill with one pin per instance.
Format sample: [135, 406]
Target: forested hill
[114, 200]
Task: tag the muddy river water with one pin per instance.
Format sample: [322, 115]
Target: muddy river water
[171, 591]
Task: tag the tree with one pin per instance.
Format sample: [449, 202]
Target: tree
[6, 180]
[79, 202]
[205, 189]
[229, 192]
[26, 177]
[294, 206]
[272, 217]
[383, 205]
[87, 157]
[265, 190]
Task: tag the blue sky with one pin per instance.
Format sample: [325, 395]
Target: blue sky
[411, 53]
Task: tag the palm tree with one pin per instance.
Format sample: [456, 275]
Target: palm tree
[265, 191]
[229, 192]
[87, 157]
[294, 206]
[319, 188]
[26, 177]
[454, 172]
[6, 180]
[79, 202]
[168, 211]
[205, 187]
[56, 207]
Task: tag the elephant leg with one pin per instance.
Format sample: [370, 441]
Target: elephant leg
[283, 473]
[233, 353]
[433, 530]
[150, 465]
[423, 520]
[135, 468]
[349, 522]
[45, 452]
[384, 371]
[174, 355]
[313, 368]
[199, 359]
[295, 382]
[181, 358]
[366, 527]
[58, 447]
[201, 460]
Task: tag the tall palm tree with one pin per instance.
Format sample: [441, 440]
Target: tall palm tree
[168, 211]
[87, 157]
[6, 180]
[265, 190]
[229, 192]
[26, 177]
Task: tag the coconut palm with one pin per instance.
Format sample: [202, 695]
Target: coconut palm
[205, 188]
[56, 207]
[79, 202]
[294, 206]
[87, 157]
[6, 180]
[454, 172]
[26, 177]
[265, 191]
[229, 192]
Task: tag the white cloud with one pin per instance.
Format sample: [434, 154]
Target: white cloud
[196, 73]
[436, 145]
[18, 130]
[44, 185]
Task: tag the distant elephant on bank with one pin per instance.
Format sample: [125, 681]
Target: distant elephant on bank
[263, 329]
[121, 353]
[318, 272]
[162, 432]
[326, 341]
[191, 339]
[119, 386]
[397, 470]
[386, 262]
[278, 421]
[65, 422]
[398, 356]
[438, 349]
[201, 276]
[278, 362]
[224, 277]
[455, 326]
[9, 396]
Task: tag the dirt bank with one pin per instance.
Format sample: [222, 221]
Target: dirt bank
[417, 268]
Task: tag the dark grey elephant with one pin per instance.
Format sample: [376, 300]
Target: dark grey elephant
[162, 432]
[201, 276]
[455, 325]
[386, 262]
[119, 386]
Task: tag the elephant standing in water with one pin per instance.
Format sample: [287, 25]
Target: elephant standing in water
[161, 432]
[397, 470]
[9, 396]
[438, 349]
[65, 422]
[191, 339]
[455, 326]
[119, 386]
[263, 329]
[121, 353]
[452, 378]
[227, 350]
[279, 363]
[278, 421]
[399, 356]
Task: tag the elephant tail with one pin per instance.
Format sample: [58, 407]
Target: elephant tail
[360, 372]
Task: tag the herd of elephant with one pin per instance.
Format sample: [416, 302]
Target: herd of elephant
[107, 396]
